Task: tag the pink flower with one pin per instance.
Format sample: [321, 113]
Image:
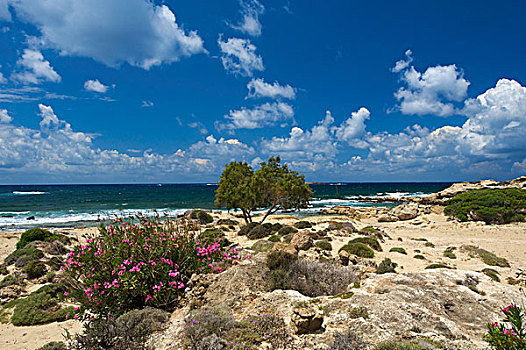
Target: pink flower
[148, 297]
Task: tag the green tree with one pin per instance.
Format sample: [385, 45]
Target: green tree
[235, 189]
[274, 186]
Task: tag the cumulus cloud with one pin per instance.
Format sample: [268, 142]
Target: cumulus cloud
[267, 114]
[34, 69]
[250, 24]
[239, 57]
[403, 64]
[56, 149]
[146, 104]
[5, 117]
[258, 88]
[143, 34]
[432, 92]
[96, 86]
[352, 130]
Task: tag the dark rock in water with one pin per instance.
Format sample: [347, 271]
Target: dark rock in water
[30, 218]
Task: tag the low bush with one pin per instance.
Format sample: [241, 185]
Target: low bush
[386, 266]
[449, 253]
[262, 246]
[408, 345]
[275, 238]
[370, 241]
[324, 245]
[3, 270]
[54, 345]
[347, 340]
[7, 281]
[134, 265]
[398, 250]
[429, 245]
[40, 307]
[358, 249]
[227, 222]
[258, 232]
[22, 257]
[34, 234]
[202, 216]
[359, 311]
[286, 230]
[493, 206]
[128, 332]
[212, 236]
[302, 225]
[215, 328]
[493, 274]
[438, 266]
[34, 269]
[419, 257]
[487, 257]
[510, 333]
[276, 227]
[244, 230]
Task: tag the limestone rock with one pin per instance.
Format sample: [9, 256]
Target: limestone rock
[387, 218]
[406, 211]
[305, 319]
[302, 241]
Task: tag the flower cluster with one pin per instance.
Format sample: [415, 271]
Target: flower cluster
[129, 266]
[510, 333]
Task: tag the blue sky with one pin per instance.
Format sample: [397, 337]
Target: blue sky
[124, 91]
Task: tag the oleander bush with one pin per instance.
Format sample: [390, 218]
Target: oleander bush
[510, 333]
[138, 264]
[493, 206]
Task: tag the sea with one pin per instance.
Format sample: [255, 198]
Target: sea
[56, 206]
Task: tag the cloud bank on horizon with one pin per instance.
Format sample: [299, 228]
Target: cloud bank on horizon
[431, 128]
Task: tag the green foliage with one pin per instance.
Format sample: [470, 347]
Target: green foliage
[429, 245]
[259, 231]
[34, 234]
[22, 257]
[370, 241]
[279, 259]
[493, 274]
[54, 345]
[214, 328]
[302, 224]
[449, 253]
[40, 307]
[243, 231]
[135, 265]
[510, 333]
[273, 186]
[202, 216]
[324, 245]
[359, 311]
[493, 206]
[407, 345]
[286, 230]
[438, 266]
[128, 332]
[487, 257]
[386, 266]
[370, 229]
[275, 238]
[398, 250]
[358, 249]
[34, 269]
[7, 281]
[262, 246]
[212, 236]
[347, 340]
[419, 257]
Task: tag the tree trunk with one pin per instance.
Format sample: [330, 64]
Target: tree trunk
[269, 212]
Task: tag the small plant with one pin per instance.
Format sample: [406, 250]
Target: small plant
[258, 232]
[35, 269]
[302, 225]
[286, 230]
[347, 340]
[429, 245]
[358, 249]
[438, 266]
[386, 266]
[419, 239]
[510, 333]
[54, 345]
[22, 257]
[370, 241]
[493, 274]
[398, 250]
[7, 281]
[449, 253]
[262, 246]
[359, 311]
[34, 234]
[487, 257]
[419, 257]
[324, 245]
[202, 216]
[275, 238]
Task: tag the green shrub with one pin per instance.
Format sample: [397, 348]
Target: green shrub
[493, 206]
[429, 244]
[262, 246]
[7, 281]
[347, 340]
[287, 238]
[302, 225]
[324, 245]
[22, 257]
[3, 270]
[419, 239]
[202, 216]
[371, 229]
[405, 345]
[34, 234]
[487, 257]
[35, 269]
[398, 250]
[54, 345]
[227, 222]
[275, 238]
[286, 230]
[276, 227]
[40, 307]
[370, 241]
[493, 274]
[386, 266]
[438, 266]
[135, 265]
[212, 236]
[280, 260]
[449, 253]
[259, 231]
[358, 249]
[510, 333]
[359, 311]
[128, 332]
[419, 257]
[243, 231]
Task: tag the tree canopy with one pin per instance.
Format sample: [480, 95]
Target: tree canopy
[273, 186]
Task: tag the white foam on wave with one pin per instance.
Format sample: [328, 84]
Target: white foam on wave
[25, 193]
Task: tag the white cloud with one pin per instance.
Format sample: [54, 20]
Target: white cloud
[403, 64]
[5, 15]
[112, 32]
[5, 117]
[3, 80]
[239, 57]
[351, 130]
[199, 126]
[250, 10]
[259, 88]
[96, 86]
[147, 104]
[431, 92]
[34, 69]
[267, 114]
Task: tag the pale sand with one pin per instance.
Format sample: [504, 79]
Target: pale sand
[507, 241]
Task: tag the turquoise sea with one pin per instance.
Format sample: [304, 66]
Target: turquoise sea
[74, 205]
